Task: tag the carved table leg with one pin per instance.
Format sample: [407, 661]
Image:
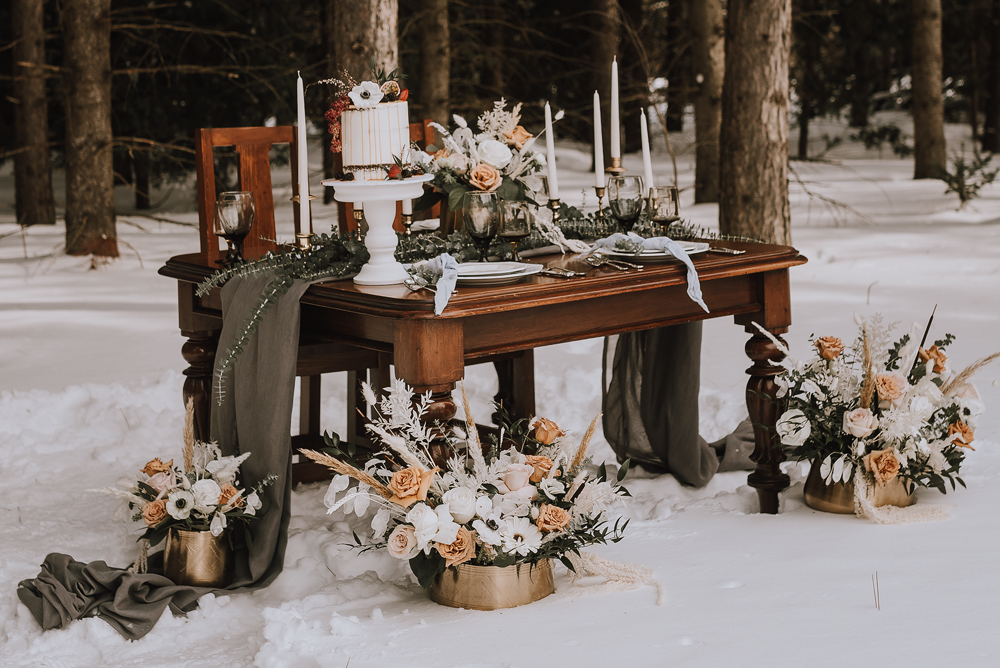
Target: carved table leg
[199, 351]
[764, 410]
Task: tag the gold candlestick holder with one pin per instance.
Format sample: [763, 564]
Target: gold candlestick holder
[303, 240]
[616, 168]
[359, 221]
[407, 219]
[554, 204]
[305, 244]
[600, 207]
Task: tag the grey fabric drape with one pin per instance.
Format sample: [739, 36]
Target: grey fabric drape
[255, 417]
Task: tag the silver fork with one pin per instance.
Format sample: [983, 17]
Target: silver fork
[414, 286]
[598, 260]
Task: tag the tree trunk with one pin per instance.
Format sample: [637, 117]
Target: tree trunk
[803, 136]
[753, 197]
[435, 60]
[90, 202]
[327, 11]
[708, 55]
[32, 174]
[634, 86]
[607, 35]
[366, 29]
[991, 126]
[492, 34]
[929, 149]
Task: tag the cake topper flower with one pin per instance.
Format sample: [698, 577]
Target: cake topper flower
[366, 94]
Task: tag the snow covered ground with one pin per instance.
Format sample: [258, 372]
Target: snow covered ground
[90, 382]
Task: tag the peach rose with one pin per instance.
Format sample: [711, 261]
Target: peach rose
[156, 466]
[410, 485]
[547, 431]
[542, 466]
[230, 494]
[883, 465]
[964, 432]
[485, 177]
[402, 544]
[890, 386]
[155, 512]
[162, 481]
[860, 422]
[933, 353]
[829, 347]
[517, 137]
[460, 550]
[551, 518]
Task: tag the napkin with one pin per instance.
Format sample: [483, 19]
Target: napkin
[445, 267]
[663, 244]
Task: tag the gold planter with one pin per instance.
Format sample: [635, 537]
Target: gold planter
[198, 559]
[838, 497]
[492, 588]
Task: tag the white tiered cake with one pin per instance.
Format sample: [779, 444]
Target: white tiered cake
[373, 138]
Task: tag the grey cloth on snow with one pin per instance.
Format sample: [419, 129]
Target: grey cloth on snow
[254, 417]
[651, 407]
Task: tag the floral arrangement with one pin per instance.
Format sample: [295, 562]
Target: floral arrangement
[347, 92]
[206, 495]
[499, 158]
[531, 497]
[880, 409]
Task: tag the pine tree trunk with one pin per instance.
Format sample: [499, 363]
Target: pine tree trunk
[708, 55]
[803, 136]
[991, 125]
[90, 202]
[435, 60]
[329, 28]
[366, 29]
[607, 35]
[753, 197]
[929, 149]
[32, 173]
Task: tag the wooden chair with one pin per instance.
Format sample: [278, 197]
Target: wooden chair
[316, 357]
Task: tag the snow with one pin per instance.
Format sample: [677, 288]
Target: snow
[90, 389]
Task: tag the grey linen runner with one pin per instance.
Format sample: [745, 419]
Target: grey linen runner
[651, 407]
[255, 417]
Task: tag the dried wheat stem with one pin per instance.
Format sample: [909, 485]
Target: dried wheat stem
[475, 445]
[967, 373]
[348, 470]
[581, 452]
[868, 386]
[189, 436]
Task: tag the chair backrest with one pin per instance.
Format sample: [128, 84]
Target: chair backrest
[423, 134]
[253, 146]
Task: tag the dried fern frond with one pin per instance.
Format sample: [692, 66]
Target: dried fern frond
[581, 452]
[868, 385]
[189, 436]
[346, 469]
[475, 445]
[967, 373]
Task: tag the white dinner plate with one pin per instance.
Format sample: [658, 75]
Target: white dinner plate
[494, 269]
[499, 279]
[653, 256]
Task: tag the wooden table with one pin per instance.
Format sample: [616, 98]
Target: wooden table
[430, 352]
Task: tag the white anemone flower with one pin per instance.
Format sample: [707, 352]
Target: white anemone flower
[521, 536]
[366, 94]
[180, 503]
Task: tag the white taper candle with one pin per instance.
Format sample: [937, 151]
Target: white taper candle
[647, 163]
[599, 179]
[616, 139]
[305, 222]
[550, 154]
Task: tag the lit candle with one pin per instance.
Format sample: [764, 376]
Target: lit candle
[616, 140]
[305, 222]
[647, 163]
[598, 144]
[550, 154]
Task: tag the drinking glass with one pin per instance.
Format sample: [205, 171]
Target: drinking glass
[664, 206]
[515, 224]
[234, 213]
[625, 195]
[482, 219]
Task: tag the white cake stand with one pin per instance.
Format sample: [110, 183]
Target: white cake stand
[379, 199]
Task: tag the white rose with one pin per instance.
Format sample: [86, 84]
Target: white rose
[860, 422]
[494, 153]
[366, 94]
[552, 487]
[206, 495]
[462, 503]
[402, 543]
[793, 427]
[425, 523]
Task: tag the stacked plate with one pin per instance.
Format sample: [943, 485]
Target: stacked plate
[495, 273]
[647, 256]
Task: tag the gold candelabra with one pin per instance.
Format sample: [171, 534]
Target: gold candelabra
[599, 190]
[407, 222]
[616, 168]
[554, 204]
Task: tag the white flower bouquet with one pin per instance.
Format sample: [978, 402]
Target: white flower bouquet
[498, 158]
[881, 409]
[534, 498]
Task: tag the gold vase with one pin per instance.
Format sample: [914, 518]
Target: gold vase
[198, 559]
[492, 587]
[838, 497]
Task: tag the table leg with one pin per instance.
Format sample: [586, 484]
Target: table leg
[199, 352]
[764, 409]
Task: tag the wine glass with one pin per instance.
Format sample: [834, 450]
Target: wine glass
[482, 219]
[515, 224]
[625, 195]
[664, 206]
[234, 213]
